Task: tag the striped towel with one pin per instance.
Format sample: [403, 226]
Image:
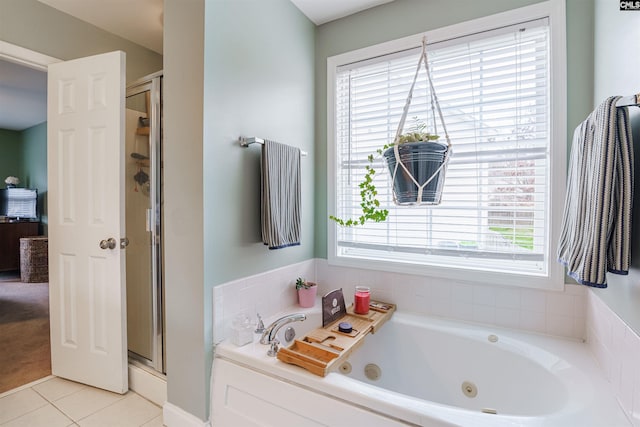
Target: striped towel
[280, 195]
[596, 225]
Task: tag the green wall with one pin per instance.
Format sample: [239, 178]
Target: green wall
[258, 82]
[10, 155]
[406, 17]
[24, 154]
[34, 166]
[36, 26]
[188, 304]
[580, 71]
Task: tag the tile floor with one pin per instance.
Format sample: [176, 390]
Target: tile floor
[56, 402]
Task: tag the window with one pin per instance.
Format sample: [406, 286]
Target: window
[494, 222]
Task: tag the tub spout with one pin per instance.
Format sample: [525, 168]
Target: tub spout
[269, 334]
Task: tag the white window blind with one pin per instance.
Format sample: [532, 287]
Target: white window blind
[494, 92]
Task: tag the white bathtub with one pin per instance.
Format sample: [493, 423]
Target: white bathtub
[426, 364]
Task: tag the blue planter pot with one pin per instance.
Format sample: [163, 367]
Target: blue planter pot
[422, 159]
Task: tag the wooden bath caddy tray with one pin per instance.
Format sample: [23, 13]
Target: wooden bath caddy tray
[323, 349]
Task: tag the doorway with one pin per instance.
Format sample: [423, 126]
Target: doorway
[24, 307]
[156, 360]
[143, 201]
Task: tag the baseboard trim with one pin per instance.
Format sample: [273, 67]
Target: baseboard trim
[174, 416]
[146, 384]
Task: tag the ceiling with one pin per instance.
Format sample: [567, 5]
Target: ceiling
[23, 91]
[139, 21]
[323, 11]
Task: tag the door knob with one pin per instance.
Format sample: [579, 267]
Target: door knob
[124, 242]
[110, 243]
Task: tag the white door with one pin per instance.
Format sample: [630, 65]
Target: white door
[86, 209]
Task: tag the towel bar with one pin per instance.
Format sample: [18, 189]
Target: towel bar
[629, 101]
[245, 142]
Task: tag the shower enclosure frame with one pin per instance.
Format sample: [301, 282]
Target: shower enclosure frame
[153, 84]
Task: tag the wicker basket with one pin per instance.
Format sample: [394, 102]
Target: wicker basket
[34, 259]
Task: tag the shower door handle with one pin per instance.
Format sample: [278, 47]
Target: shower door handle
[110, 243]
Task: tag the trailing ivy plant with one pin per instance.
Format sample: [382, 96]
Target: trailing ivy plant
[368, 192]
[369, 201]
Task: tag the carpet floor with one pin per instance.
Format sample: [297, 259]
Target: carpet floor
[25, 351]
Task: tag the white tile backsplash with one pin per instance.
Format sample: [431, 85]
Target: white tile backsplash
[548, 312]
[441, 306]
[439, 291]
[580, 327]
[617, 349]
[508, 298]
[533, 321]
[484, 314]
[508, 317]
[560, 325]
[266, 293]
[462, 310]
[462, 293]
[561, 305]
[483, 295]
[533, 300]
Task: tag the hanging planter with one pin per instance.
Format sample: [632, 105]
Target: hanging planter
[420, 179]
[416, 160]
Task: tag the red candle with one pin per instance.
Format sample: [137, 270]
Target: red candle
[361, 300]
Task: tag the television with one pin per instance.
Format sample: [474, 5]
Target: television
[19, 203]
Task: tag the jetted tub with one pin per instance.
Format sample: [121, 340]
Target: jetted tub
[425, 371]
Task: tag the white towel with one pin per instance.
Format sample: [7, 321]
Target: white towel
[596, 226]
[280, 195]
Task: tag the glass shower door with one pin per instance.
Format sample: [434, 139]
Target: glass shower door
[143, 197]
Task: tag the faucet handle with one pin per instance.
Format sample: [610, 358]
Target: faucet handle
[260, 325]
[274, 348]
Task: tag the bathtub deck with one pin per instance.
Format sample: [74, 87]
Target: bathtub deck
[324, 349]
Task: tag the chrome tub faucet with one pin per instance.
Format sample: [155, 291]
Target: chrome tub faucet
[269, 335]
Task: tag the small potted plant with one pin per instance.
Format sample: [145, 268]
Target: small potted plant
[306, 292]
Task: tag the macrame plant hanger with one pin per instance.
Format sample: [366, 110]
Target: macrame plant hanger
[435, 105]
